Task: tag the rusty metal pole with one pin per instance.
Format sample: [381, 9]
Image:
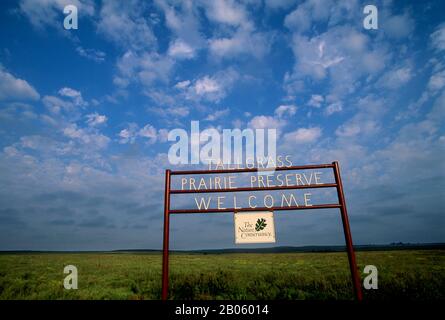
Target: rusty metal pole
[347, 232]
[166, 236]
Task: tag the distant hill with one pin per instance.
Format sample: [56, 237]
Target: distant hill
[282, 249]
[288, 249]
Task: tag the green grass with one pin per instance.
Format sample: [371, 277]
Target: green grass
[410, 274]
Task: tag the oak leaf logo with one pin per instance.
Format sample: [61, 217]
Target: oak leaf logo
[260, 224]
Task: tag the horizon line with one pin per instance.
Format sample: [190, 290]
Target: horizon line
[392, 244]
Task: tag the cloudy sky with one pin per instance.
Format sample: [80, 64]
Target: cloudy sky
[84, 114]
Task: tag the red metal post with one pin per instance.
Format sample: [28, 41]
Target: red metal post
[347, 232]
[166, 236]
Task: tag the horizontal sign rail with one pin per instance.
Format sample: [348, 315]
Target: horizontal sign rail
[215, 210]
[219, 171]
[242, 189]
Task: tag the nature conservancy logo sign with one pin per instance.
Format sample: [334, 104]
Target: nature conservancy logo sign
[257, 227]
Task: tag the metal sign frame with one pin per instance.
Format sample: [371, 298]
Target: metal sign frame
[341, 205]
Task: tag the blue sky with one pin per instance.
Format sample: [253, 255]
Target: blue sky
[84, 114]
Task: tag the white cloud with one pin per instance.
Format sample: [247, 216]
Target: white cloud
[398, 26]
[366, 122]
[242, 42]
[215, 115]
[121, 82]
[315, 56]
[206, 85]
[182, 84]
[92, 139]
[129, 24]
[95, 119]
[11, 151]
[73, 132]
[181, 50]
[147, 68]
[125, 23]
[226, 11]
[68, 92]
[354, 42]
[434, 86]
[373, 61]
[55, 105]
[161, 97]
[154, 68]
[266, 122]
[242, 38]
[438, 38]
[182, 18]
[75, 95]
[334, 108]
[167, 112]
[163, 135]
[395, 78]
[284, 110]
[316, 101]
[303, 135]
[298, 20]
[148, 132]
[178, 111]
[13, 111]
[348, 130]
[237, 123]
[357, 126]
[212, 88]
[341, 57]
[311, 12]
[33, 142]
[126, 135]
[437, 81]
[12, 88]
[92, 54]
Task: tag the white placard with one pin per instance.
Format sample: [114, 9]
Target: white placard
[254, 227]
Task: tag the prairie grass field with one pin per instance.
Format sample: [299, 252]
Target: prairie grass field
[404, 274]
